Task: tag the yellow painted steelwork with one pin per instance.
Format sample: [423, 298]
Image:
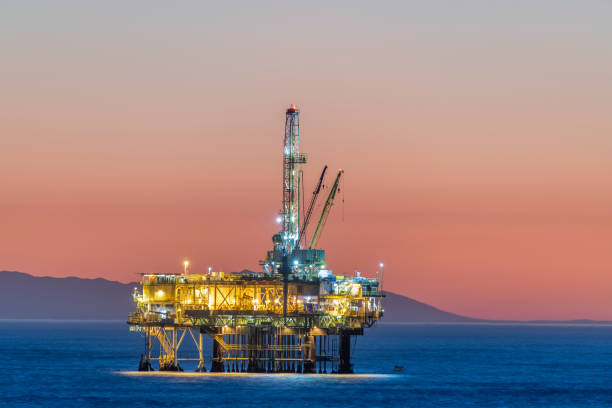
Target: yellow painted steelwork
[184, 299]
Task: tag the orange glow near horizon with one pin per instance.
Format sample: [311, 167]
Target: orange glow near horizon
[477, 159]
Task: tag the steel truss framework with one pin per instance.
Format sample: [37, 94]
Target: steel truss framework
[244, 318]
[249, 349]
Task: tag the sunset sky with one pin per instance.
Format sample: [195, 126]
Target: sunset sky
[476, 139]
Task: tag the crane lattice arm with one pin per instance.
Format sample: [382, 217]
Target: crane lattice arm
[325, 212]
[313, 200]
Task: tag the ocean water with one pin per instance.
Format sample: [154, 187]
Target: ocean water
[85, 364]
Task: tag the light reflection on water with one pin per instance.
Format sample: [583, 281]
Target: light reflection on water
[252, 375]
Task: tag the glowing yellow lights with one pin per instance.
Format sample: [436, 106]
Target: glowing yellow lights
[186, 264]
[174, 296]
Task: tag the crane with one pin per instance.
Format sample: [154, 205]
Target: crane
[326, 210]
[313, 200]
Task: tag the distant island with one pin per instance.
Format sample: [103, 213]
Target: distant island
[23, 296]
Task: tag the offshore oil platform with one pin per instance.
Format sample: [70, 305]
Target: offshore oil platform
[296, 316]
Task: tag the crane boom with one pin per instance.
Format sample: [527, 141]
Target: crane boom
[313, 200]
[325, 212]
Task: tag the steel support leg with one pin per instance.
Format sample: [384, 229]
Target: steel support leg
[344, 353]
[217, 358]
[310, 355]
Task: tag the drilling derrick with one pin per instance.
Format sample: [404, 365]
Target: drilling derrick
[295, 317]
[286, 256]
[292, 159]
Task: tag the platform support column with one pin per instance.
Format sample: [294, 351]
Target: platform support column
[252, 341]
[174, 334]
[145, 359]
[310, 355]
[344, 354]
[201, 368]
[217, 357]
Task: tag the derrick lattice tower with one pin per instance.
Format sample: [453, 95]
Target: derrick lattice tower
[292, 179]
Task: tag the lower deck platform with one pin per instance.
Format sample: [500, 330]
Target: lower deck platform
[248, 349]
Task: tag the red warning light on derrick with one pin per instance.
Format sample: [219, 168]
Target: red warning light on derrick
[292, 109]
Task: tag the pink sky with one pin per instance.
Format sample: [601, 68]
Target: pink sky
[475, 139]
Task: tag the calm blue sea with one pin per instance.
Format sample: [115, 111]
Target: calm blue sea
[85, 364]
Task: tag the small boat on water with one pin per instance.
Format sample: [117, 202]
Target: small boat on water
[398, 368]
